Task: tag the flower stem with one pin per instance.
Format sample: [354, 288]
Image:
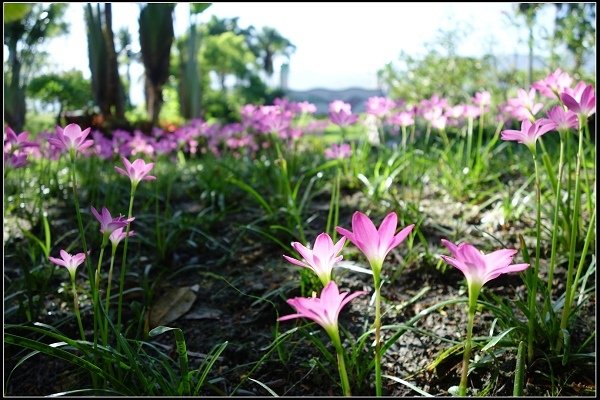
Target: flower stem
[96, 295]
[574, 230]
[555, 224]
[473, 294]
[108, 286]
[335, 338]
[76, 308]
[533, 290]
[377, 323]
[123, 259]
[79, 221]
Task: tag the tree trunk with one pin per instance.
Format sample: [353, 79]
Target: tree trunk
[115, 95]
[153, 100]
[14, 101]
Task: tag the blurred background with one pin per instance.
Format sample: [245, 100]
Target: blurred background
[138, 65]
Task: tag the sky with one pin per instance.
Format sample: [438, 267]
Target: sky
[338, 45]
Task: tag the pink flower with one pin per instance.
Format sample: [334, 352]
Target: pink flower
[529, 132]
[108, 224]
[524, 105]
[562, 120]
[307, 108]
[68, 261]
[15, 160]
[553, 84]
[478, 267]
[321, 258]
[379, 106]
[340, 113]
[324, 310]
[14, 142]
[581, 102]
[117, 235]
[136, 171]
[375, 244]
[71, 138]
[338, 151]
[482, 99]
[402, 118]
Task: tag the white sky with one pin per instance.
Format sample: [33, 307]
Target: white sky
[338, 45]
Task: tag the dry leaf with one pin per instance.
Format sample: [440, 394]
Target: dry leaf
[171, 305]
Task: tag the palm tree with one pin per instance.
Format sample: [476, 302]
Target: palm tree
[268, 44]
[156, 38]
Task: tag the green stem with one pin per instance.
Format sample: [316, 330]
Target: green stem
[555, 223]
[574, 230]
[473, 295]
[469, 140]
[335, 338]
[586, 244]
[96, 294]
[404, 138]
[108, 286]
[123, 259]
[76, 307]
[377, 323]
[479, 136]
[533, 290]
[334, 205]
[79, 221]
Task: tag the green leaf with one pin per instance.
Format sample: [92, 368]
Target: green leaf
[496, 339]
[409, 385]
[197, 8]
[268, 389]
[15, 12]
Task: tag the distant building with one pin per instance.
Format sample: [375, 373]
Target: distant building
[321, 97]
[284, 76]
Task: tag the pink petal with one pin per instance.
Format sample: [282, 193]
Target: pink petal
[387, 229]
[458, 264]
[365, 232]
[296, 262]
[570, 102]
[323, 244]
[399, 238]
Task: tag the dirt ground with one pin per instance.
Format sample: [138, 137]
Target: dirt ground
[227, 307]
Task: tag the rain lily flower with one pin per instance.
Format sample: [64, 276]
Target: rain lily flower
[340, 113]
[478, 267]
[71, 262]
[482, 99]
[338, 151]
[553, 84]
[137, 171]
[379, 106]
[528, 134]
[15, 160]
[325, 311]
[581, 102]
[321, 258]
[524, 105]
[402, 118]
[14, 142]
[562, 120]
[117, 235]
[108, 224]
[71, 138]
[375, 244]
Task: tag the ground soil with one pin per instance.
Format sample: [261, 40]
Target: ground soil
[228, 308]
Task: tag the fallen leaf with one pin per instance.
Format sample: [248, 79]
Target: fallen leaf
[171, 305]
